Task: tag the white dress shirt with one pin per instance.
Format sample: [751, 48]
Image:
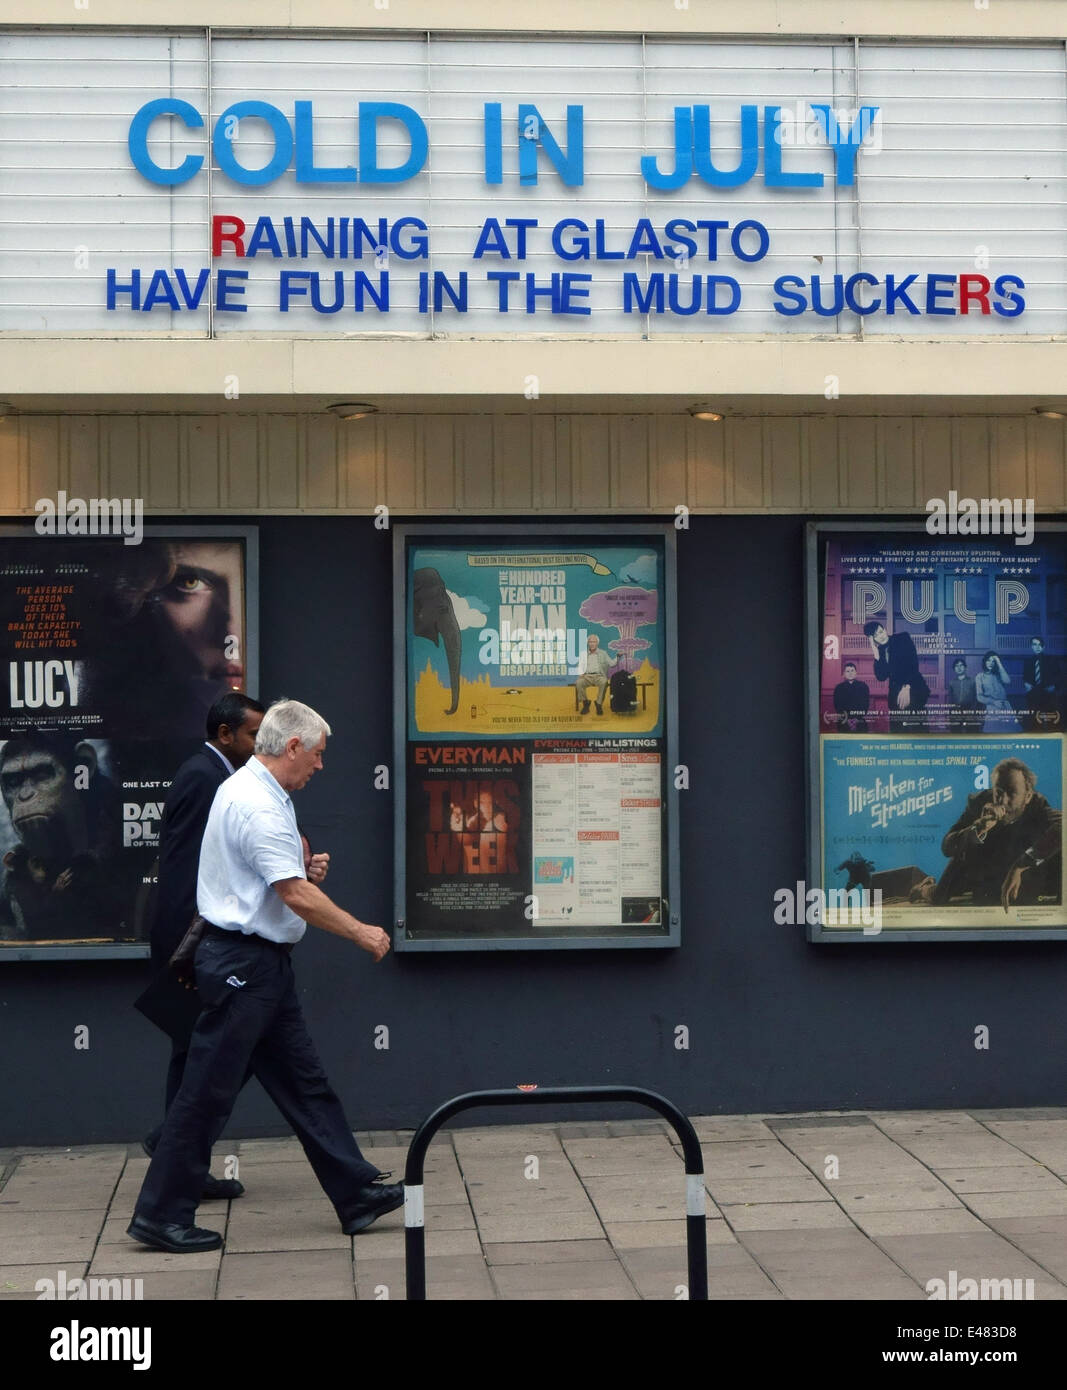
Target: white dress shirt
[250, 842]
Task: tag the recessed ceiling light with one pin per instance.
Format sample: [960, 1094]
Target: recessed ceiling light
[352, 410]
[1049, 414]
[704, 412]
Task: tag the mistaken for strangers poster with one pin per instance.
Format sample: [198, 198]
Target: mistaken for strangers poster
[535, 739]
[112, 655]
[942, 702]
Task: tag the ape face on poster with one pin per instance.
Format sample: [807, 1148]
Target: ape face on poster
[937, 682]
[535, 732]
[113, 655]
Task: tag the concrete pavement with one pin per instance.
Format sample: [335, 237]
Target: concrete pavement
[858, 1205]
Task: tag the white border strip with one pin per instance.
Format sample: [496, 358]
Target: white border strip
[413, 1205]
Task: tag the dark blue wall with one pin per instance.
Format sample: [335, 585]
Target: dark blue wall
[775, 1024]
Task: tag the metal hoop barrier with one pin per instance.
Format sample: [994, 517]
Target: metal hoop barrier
[414, 1227]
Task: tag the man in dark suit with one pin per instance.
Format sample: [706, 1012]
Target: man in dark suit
[1041, 678]
[896, 661]
[232, 722]
[852, 700]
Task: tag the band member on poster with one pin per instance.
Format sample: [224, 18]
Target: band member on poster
[596, 668]
[896, 661]
[963, 697]
[1005, 848]
[483, 835]
[61, 880]
[852, 700]
[991, 692]
[1041, 679]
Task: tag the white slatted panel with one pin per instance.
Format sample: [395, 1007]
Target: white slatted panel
[971, 157]
[66, 180]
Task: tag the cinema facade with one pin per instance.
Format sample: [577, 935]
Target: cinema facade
[622, 434]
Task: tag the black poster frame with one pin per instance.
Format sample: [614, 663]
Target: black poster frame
[540, 535]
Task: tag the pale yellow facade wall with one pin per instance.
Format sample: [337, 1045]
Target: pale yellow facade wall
[974, 19]
[527, 465]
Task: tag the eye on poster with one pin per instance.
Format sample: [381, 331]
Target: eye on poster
[940, 689]
[537, 678]
[113, 654]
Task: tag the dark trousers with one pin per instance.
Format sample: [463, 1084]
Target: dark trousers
[254, 1024]
[175, 1071]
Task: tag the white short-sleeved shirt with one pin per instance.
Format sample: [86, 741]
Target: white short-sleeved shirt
[250, 843]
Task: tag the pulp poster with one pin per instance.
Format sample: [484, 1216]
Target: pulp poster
[942, 700]
[113, 654]
[535, 738]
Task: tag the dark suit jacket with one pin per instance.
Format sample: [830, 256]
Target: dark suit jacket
[1050, 672]
[185, 813]
[899, 665]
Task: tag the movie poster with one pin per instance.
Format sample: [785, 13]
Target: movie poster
[113, 655]
[535, 739]
[942, 700]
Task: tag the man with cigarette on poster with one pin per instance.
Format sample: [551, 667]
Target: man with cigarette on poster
[1006, 847]
[255, 897]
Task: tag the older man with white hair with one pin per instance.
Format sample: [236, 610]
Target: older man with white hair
[254, 894]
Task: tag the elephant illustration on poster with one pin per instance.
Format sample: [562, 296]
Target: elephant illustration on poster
[433, 617]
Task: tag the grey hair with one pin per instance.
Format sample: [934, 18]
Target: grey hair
[286, 719]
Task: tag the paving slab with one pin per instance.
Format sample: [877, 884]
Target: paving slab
[31, 1247]
[734, 1274]
[992, 1204]
[14, 1222]
[536, 1252]
[297, 1225]
[731, 1191]
[1025, 1177]
[574, 1279]
[760, 1158]
[982, 1150]
[643, 1235]
[448, 1277]
[784, 1216]
[18, 1282]
[138, 1261]
[978, 1255]
[1042, 1238]
[537, 1226]
[604, 1157]
[296, 1274]
[944, 1220]
[469, 1143]
[715, 1129]
[893, 1195]
[850, 1267]
[179, 1284]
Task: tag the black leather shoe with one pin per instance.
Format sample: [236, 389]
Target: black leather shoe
[164, 1235]
[372, 1201]
[221, 1189]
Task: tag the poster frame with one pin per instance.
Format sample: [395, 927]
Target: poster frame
[815, 533]
[543, 533]
[249, 535]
